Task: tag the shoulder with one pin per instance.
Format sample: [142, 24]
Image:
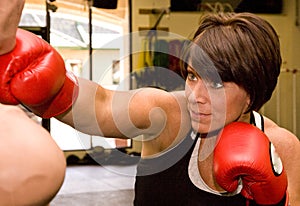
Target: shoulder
[279, 136]
[288, 147]
[164, 108]
[282, 138]
[159, 97]
[147, 100]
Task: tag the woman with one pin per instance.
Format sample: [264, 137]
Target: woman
[231, 69]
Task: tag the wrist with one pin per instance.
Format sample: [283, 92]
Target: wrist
[7, 44]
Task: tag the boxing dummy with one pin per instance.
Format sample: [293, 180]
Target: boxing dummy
[244, 153]
[32, 166]
[33, 74]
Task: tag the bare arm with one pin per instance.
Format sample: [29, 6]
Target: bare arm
[290, 154]
[99, 111]
[10, 13]
[288, 147]
[27, 147]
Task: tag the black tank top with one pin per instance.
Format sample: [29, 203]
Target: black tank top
[161, 182]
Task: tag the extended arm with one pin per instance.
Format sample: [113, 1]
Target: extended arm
[34, 75]
[124, 114]
[288, 147]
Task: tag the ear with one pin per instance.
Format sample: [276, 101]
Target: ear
[247, 103]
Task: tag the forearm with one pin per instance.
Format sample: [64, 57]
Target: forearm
[10, 13]
[6, 44]
[82, 115]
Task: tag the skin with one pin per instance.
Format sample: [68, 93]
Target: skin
[27, 147]
[10, 13]
[230, 102]
[165, 118]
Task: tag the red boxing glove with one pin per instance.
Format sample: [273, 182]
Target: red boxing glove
[243, 152]
[34, 75]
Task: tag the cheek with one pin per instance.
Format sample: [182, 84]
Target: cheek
[237, 105]
[188, 90]
[218, 101]
[242, 101]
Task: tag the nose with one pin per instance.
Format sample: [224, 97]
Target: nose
[197, 92]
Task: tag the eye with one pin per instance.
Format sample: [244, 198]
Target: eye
[191, 76]
[216, 85]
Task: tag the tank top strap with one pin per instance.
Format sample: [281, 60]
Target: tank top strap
[257, 120]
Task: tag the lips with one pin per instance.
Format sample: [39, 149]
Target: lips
[197, 116]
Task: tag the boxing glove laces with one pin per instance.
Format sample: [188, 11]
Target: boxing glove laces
[34, 74]
[244, 153]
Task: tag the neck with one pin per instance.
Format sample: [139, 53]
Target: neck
[244, 118]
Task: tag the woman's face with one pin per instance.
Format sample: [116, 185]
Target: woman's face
[213, 105]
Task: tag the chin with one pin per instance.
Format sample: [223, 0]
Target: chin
[206, 128]
[200, 128]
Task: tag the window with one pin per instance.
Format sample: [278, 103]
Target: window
[108, 64]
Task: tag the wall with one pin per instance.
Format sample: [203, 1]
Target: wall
[284, 107]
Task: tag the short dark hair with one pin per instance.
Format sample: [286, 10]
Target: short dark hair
[244, 49]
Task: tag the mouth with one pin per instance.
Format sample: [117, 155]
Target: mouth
[199, 116]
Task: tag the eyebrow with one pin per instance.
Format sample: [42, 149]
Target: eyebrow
[191, 69]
